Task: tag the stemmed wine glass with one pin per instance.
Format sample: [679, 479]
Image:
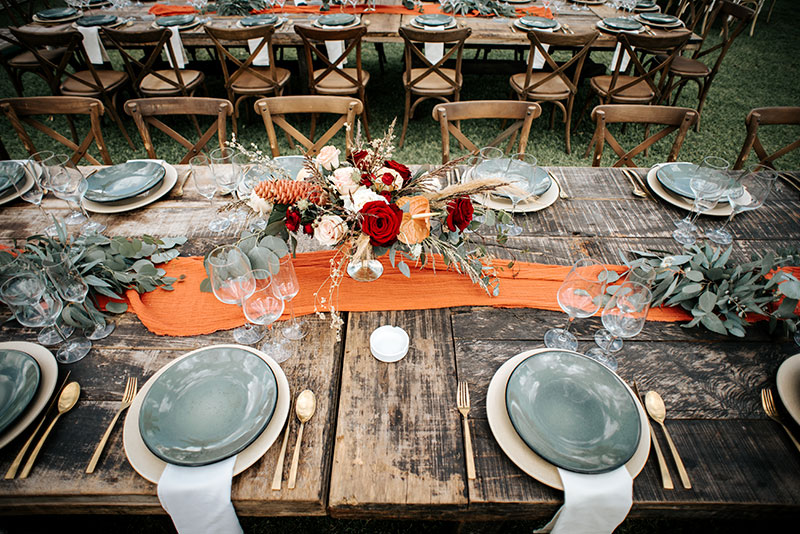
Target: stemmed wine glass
[264, 307]
[579, 296]
[521, 174]
[706, 195]
[232, 281]
[68, 183]
[623, 317]
[488, 163]
[71, 287]
[287, 285]
[34, 195]
[750, 191]
[709, 169]
[206, 184]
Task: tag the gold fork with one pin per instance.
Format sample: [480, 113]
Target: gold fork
[127, 399]
[462, 402]
[769, 406]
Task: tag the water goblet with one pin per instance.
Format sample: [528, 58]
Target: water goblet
[72, 287]
[232, 281]
[264, 307]
[34, 195]
[750, 190]
[69, 184]
[706, 195]
[710, 168]
[206, 185]
[521, 174]
[488, 163]
[623, 317]
[287, 285]
[579, 296]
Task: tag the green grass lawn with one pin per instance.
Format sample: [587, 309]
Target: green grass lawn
[760, 71]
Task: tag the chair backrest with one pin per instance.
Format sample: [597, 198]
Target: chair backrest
[414, 52]
[724, 11]
[673, 118]
[767, 116]
[233, 67]
[154, 40]
[692, 12]
[274, 109]
[18, 13]
[451, 114]
[22, 111]
[314, 49]
[570, 71]
[146, 113]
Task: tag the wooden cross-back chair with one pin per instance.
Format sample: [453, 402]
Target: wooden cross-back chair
[428, 79]
[242, 78]
[684, 70]
[18, 13]
[147, 78]
[449, 117]
[17, 61]
[274, 109]
[644, 84]
[772, 116]
[334, 78]
[556, 82]
[673, 118]
[693, 13]
[88, 82]
[147, 112]
[23, 111]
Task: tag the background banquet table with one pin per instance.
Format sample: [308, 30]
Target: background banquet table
[386, 440]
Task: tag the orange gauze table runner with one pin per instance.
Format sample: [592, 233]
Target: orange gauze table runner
[161, 10]
[187, 311]
[395, 10]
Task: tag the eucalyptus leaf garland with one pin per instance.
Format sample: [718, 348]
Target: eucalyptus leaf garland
[228, 8]
[262, 248]
[719, 293]
[484, 8]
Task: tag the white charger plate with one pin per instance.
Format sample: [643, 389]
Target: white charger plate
[47, 384]
[150, 467]
[128, 204]
[520, 26]
[720, 210]
[516, 449]
[602, 26]
[547, 199]
[788, 382]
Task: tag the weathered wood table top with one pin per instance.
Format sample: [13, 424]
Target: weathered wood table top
[386, 440]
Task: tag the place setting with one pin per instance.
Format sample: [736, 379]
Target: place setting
[128, 186]
[57, 15]
[338, 21]
[93, 21]
[431, 21]
[660, 20]
[181, 22]
[536, 23]
[264, 19]
[620, 25]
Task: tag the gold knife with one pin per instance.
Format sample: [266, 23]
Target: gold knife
[179, 190]
[562, 193]
[662, 462]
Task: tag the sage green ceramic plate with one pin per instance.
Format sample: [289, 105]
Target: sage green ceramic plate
[573, 412]
[208, 406]
[659, 18]
[19, 380]
[175, 20]
[434, 19]
[677, 177]
[540, 183]
[122, 181]
[336, 19]
[11, 172]
[622, 23]
[57, 13]
[96, 20]
[259, 20]
[538, 22]
[292, 164]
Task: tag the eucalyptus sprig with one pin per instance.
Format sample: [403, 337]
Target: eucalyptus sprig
[485, 8]
[718, 292]
[238, 7]
[263, 249]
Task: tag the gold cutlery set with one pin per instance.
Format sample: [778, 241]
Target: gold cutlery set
[304, 406]
[771, 410]
[639, 188]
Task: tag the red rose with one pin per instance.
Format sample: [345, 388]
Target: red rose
[308, 229]
[381, 222]
[387, 178]
[459, 213]
[359, 159]
[292, 220]
[366, 179]
[387, 195]
[401, 169]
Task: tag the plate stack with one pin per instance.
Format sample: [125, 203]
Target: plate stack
[128, 186]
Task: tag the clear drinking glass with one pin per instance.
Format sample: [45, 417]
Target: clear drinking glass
[34, 195]
[579, 296]
[710, 168]
[206, 185]
[264, 307]
[69, 184]
[287, 285]
[232, 282]
[751, 188]
[521, 174]
[623, 317]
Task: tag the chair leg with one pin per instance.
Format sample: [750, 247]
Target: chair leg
[583, 111]
[381, 56]
[406, 117]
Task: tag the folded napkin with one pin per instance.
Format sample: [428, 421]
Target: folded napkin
[538, 58]
[624, 60]
[335, 49]
[163, 10]
[262, 59]
[434, 51]
[300, 2]
[95, 51]
[177, 48]
[198, 499]
[593, 504]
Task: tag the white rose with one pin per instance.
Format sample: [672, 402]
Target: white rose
[328, 157]
[330, 230]
[344, 180]
[356, 200]
[397, 180]
[259, 205]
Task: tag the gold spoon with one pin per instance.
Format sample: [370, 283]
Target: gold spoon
[66, 401]
[657, 410]
[304, 407]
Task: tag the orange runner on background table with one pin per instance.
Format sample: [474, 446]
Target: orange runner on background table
[162, 10]
[187, 311]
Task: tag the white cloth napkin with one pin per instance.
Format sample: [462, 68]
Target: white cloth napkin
[177, 48]
[434, 51]
[95, 50]
[198, 499]
[335, 49]
[593, 504]
[624, 60]
[262, 59]
[300, 2]
[538, 58]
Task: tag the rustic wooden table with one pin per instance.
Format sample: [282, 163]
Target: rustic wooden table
[386, 440]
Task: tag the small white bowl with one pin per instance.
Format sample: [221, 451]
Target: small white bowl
[388, 343]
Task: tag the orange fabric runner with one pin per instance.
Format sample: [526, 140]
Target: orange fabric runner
[164, 10]
[396, 10]
[188, 312]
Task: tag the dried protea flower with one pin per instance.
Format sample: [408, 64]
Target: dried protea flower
[289, 191]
